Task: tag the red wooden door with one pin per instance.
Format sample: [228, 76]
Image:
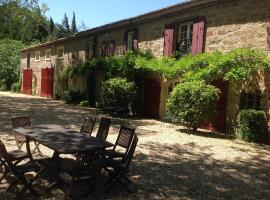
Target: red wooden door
[219, 121]
[151, 98]
[27, 81]
[46, 82]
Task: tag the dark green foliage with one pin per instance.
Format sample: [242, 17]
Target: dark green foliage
[24, 21]
[252, 125]
[65, 26]
[74, 97]
[193, 103]
[16, 87]
[73, 25]
[118, 92]
[9, 61]
[84, 104]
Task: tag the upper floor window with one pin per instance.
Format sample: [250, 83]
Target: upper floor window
[104, 48]
[37, 56]
[131, 38]
[184, 38]
[250, 100]
[91, 48]
[48, 54]
[28, 60]
[60, 52]
[112, 48]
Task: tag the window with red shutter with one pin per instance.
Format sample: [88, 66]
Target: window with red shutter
[198, 36]
[168, 40]
[184, 39]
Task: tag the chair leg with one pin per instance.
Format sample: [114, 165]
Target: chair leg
[4, 175]
[28, 185]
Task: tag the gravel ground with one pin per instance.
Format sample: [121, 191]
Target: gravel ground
[170, 162]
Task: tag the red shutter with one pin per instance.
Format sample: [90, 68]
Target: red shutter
[198, 36]
[27, 81]
[168, 40]
[136, 39]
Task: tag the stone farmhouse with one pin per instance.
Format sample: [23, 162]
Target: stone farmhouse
[195, 26]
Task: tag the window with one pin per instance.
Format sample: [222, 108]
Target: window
[104, 49]
[250, 100]
[184, 39]
[48, 54]
[132, 39]
[60, 52]
[112, 48]
[28, 60]
[91, 48]
[130, 36]
[37, 56]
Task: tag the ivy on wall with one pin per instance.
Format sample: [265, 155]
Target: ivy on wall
[237, 64]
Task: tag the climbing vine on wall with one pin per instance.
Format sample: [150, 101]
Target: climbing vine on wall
[237, 64]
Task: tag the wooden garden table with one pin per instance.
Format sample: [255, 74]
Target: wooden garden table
[62, 140]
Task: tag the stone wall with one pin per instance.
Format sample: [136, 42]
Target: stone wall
[229, 24]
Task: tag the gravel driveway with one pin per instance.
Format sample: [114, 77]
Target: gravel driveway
[170, 163]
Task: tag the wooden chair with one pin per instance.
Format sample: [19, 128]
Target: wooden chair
[104, 127]
[88, 125]
[119, 168]
[15, 156]
[80, 174]
[123, 142]
[22, 121]
[19, 171]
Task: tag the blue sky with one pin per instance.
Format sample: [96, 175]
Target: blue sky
[98, 12]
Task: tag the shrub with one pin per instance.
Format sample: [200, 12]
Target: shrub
[16, 87]
[84, 104]
[193, 103]
[118, 92]
[252, 125]
[73, 97]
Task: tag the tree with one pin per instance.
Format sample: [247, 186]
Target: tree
[51, 26]
[23, 20]
[65, 26]
[73, 25]
[193, 103]
[9, 61]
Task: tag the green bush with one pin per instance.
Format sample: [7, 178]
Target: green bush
[252, 125]
[74, 97]
[84, 103]
[118, 92]
[193, 103]
[16, 87]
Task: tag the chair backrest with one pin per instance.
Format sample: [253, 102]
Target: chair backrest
[3, 151]
[128, 157]
[20, 121]
[104, 127]
[88, 125]
[124, 138]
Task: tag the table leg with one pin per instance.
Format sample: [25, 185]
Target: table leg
[28, 148]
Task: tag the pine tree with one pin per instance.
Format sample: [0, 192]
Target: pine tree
[65, 25]
[73, 25]
[51, 26]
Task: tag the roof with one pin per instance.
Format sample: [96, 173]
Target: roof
[130, 21]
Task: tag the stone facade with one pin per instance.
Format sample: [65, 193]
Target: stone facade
[229, 24]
